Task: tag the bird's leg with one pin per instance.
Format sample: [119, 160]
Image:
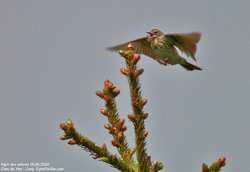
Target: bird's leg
[166, 61]
[162, 62]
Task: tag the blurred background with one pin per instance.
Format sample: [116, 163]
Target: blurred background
[53, 59]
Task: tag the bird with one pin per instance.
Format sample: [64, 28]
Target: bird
[163, 47]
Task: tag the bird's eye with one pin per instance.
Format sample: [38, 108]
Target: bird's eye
[155, 32]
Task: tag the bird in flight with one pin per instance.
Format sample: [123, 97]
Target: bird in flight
[162, 47]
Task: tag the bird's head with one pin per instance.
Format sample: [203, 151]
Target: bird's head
[154, 33]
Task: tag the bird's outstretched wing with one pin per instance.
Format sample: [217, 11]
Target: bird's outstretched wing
[186, 42]
[141, 46]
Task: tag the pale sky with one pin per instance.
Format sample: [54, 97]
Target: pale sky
[53, 59]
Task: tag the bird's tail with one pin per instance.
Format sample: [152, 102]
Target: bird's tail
[190, 67]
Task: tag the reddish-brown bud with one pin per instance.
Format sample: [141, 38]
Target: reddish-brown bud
[106, 82]
[115, 157]
[72, 142]
[157, 165]
[109, 85]
[134, 103]
[107, 126]
[115, 129]
[82, 140]
[124, 71]
[111, 132]
[145, 115]
[145, 134]
[132, 117]
[115, 143]
[120, 122]
[144, 102]
[99, 94]
[140, 71]
[104, 112]
[104, 147]
[123, 128]
[72, 129]
[221, 161]
[116, 92]
[136, 58]
[132, 151]
[130, 47]
[120, 135]
[204, 168]
[107, 99]
[131, 74]
[124, 154]
[63, 126]
[64, 137]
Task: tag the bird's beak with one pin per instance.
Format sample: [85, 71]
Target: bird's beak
[150, 34]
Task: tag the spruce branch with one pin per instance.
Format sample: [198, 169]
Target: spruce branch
[137, 103]
[116, 125]
[216, 166]
[98, 152]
